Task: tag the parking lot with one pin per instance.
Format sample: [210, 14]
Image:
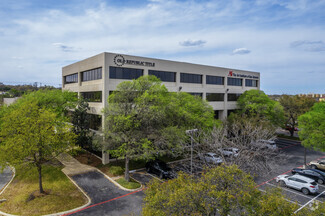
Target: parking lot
[295, 153]
[295, 158]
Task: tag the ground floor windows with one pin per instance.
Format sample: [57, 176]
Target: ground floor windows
[214, 80]
[233, 97]
[124, 73]
[215, 96]
[93, 74]
[251, 83]
[191, 78]
[92, 96]
[164, 76]
[216, 114]
[235, 81]
[73, 78]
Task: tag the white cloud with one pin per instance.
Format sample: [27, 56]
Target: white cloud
[241, 51]
[188, 43]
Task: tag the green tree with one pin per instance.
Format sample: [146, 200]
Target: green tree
[34, 130]
[257, 103]
[294, 106]
[225, 190]
[312, 127]
[80, 120]
[34, 135]
[144, 119]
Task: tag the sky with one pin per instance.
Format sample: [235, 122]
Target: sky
[284, 40]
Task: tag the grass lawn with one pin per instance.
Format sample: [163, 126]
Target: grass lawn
[62, 193]
[129, 185]
[288, 137]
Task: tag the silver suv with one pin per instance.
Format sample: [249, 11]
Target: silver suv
[302, 183]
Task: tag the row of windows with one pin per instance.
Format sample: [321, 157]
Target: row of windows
[73, 78]
[93, 74]
[92, 96]
[165, 76]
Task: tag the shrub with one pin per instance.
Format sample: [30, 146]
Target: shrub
[116, 170]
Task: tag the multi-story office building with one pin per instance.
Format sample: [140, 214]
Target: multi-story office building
[96, 77]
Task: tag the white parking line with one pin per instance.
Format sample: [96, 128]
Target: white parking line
[284, 198]
[309, 202]
[323, 186]
[290, 191]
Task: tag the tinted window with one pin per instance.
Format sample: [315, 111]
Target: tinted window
[251, 83]
[164, 75]
[191, 78]
[93, 74]
[235, 81]
[73, 78]
[233, 97]
[215, 96]
[313, 183]
[124, 73]
[215, 80]
[92, 96]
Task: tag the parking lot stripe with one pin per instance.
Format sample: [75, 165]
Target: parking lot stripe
[290, 191]
[321, 185]
[289, 146]
[309, 202]
[284, 198]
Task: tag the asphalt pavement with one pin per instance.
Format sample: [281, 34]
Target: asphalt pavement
[5, 177]
[107, 199]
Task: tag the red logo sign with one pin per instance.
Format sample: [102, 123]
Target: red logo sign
[230, 73]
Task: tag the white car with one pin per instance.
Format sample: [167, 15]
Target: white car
[228, 152]
[302, 183]
[211, 158]
[270, 144]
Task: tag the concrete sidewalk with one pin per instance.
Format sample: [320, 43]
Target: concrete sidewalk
[5, 177]
[73, 166]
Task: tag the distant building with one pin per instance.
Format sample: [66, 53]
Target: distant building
[317, 97]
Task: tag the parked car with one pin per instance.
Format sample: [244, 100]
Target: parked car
[320, 164]
[304, 184]
[228, 152]
[310, 173]
[268, 143]
[160, 168]
[211, 157]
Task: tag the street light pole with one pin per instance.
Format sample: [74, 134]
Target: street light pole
[190, 132]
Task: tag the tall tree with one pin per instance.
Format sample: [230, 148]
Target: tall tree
[294, 106]
[312, 127]
[33, 130]
[34, 135]
[257, 103]
[143, 118]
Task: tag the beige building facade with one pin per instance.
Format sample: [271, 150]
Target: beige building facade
[96, 77]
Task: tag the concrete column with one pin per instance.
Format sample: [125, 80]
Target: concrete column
[105, 157]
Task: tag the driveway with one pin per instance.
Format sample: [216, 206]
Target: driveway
[5, 177]
[107, 199]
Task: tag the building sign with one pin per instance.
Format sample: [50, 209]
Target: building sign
[119, 60]
[232, 74]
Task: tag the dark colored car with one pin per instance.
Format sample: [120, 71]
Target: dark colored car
[317, 175]
[161, 169]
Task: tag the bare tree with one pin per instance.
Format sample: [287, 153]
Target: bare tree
[248, 136]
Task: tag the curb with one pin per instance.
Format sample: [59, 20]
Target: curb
[117, 184]
[75, 209]
[54, 214]
[13, 176]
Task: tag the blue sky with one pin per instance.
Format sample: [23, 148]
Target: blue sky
[283, 40]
